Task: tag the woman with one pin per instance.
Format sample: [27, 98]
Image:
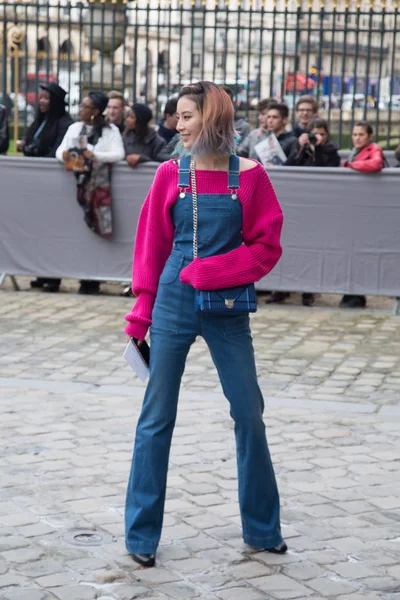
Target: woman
[89, 148]
[52, 121]
[42, 139]
[367, 157]
[316, 147]
[142, 144]
[238, 243]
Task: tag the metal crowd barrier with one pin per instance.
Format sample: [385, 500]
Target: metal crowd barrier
[341, 230]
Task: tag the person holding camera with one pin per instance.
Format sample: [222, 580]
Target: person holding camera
[42, 140]
[316, 147]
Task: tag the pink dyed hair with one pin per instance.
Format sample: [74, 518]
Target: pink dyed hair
[218, 133]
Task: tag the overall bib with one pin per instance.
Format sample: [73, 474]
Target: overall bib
[175, 326]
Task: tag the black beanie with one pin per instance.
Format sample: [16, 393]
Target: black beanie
[142, 113]
[99, 99]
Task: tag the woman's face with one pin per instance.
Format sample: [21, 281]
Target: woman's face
[86, 110]
[323, 134]
[44, 101]
[361, 137]
[190, 122]
[131, 119]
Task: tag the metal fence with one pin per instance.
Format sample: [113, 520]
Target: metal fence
[346, 54]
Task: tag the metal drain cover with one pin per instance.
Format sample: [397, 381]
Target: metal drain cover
[87, 537]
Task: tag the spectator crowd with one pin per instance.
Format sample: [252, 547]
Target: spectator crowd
[108, 131]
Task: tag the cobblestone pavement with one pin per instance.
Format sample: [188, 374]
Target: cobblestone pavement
[68, 407]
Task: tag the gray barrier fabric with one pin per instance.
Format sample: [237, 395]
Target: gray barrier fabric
[341, 232]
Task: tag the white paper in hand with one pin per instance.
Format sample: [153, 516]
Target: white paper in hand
[270, 151]
[135, 359]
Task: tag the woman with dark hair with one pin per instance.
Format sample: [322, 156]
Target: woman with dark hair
[142, 143]
[42, 139]
[367, 157]
[88, 149]
[52, 121]
[209, 228]
[316, 147]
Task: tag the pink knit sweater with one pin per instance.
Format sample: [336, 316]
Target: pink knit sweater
[261, 229]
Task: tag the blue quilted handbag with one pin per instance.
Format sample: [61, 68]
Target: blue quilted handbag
[236, 299]
[239, 299]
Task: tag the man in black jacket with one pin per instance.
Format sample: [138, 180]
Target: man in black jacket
[4, 135]
[277, 120]
[274, 118]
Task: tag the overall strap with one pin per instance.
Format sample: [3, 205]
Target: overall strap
[184, 172]
[234, 172]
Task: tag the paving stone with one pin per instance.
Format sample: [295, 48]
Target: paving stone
[179, 591]
[241, 593]
[191, 565]
[42, 567]
[303, 571]
[22, 518]
[249, 569]
[280, 586]
[25, 594]
[353, 570]
[159, 575]
[55, 580]
[22, 555]
[75, 592]
[332, 587]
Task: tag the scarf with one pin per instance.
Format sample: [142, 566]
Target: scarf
[94, 190]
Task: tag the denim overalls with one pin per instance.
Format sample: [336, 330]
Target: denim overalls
[175, 326]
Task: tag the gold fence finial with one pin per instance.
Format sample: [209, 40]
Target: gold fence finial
[15, 36]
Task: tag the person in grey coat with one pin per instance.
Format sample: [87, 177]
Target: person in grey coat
[274, 121]
[142, 144]
[242, 127]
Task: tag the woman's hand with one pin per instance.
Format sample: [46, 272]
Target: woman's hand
[133, 160]
[134, 340]
[88, 154]
[318, 137]
[303, 140]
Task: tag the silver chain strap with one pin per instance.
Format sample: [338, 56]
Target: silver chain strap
[195, 207]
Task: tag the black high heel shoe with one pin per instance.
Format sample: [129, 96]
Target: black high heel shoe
[279, 549]
[146, 560]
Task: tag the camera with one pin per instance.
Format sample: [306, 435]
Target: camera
[31, 150]
[313, 138]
